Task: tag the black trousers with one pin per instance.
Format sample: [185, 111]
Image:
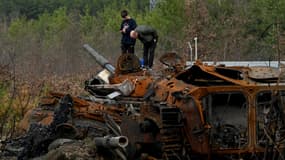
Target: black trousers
[148, 53]
[128, 48]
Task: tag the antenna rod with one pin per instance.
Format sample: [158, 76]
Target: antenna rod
[191, 54]
[196, 54]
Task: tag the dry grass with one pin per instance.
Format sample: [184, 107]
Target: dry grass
[20, 92]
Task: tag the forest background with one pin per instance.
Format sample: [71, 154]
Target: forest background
[41, 40]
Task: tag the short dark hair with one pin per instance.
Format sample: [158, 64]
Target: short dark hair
[124, 13]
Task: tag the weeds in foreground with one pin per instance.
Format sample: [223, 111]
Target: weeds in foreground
[17, 95]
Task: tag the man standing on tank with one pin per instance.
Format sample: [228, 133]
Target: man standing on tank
[148, 36]
[128, 24]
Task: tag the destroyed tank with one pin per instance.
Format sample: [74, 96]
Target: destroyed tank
[178, 112]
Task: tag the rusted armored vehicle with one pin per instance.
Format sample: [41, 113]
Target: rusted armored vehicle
[178, 112]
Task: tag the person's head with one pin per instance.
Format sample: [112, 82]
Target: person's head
[134, 34]
[124, 14]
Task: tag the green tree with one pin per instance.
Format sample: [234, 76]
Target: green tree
[265, 17]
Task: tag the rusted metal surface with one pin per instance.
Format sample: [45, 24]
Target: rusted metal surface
[179, 112]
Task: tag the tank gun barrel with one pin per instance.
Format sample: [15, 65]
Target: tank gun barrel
[109, 142]
[100, 59]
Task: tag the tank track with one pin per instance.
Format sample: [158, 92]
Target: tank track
[171, 133]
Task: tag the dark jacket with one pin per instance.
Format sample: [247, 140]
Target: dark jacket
[146, 34]
[130, 25]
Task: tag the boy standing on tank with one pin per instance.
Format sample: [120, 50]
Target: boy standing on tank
[128, 24]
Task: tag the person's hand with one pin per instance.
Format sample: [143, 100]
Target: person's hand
[125, 28]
